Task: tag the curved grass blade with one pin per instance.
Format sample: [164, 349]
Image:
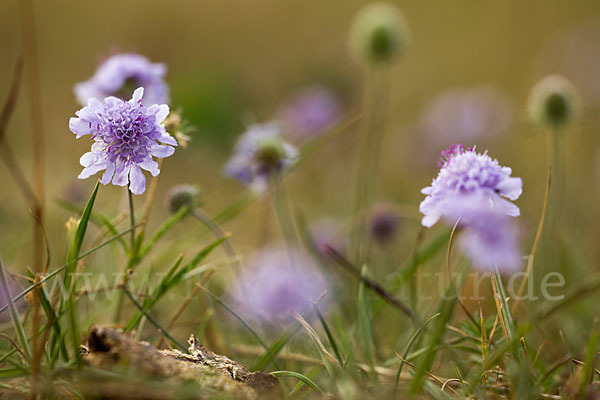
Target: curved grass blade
[290, 374]
[409, 345]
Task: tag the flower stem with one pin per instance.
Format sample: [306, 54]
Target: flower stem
[284, 214]
[377, 99]
[131, 219]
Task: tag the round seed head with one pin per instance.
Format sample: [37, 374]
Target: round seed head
[183, 195]
[379, 33]
[553, 102]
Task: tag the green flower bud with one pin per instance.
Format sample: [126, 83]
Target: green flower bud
[184, 195]
[553, 102]
[379, 33]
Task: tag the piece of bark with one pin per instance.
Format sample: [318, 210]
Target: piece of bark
[215, 375]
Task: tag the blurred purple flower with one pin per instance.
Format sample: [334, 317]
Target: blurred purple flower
[120, 74]
[126, 136]
[463, 172]
[460, 115]
[259, 152]
[489, 238]
[310, 112]
[384, 223]
[274, 287]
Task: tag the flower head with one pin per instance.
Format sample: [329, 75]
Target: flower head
[310, 112]
[379, 33]
[260, 152]
[126, 136]
[120, 74]
[384, 223]
[277, 283]
[553, 102]
[489, 238]
[464, 172]
[184, 195]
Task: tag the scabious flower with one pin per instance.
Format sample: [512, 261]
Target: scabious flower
[310, 112]
[465, 172]
[277, 283]
[489, 238]
[472, 189]
[126, 136]
[120, 74]
[465, 115]
[260, 152]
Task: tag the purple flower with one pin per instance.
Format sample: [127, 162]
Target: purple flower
[384, 223]
[464, 172]
[126, 136]
[310, 112]
[259, 152]
[120, 74]
[489, 238]
[275, 287]
[465, 115]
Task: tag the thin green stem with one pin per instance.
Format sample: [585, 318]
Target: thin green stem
[284, 215]
[377, 98]
[131, 218]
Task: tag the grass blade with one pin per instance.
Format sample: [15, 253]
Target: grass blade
[446, 310]
[153, 321]
[72, 254]
[290, 374]
[14, 314]
[588, 367]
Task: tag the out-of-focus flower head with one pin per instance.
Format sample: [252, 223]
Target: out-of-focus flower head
[553, 102]
[384, 223]
[184, 195]
[310, 112]
[278, 282]
[465, 115]
[258, 153]
[126, 136]
[379, 33]
[120, 75]
[464, 172]
[489, 238]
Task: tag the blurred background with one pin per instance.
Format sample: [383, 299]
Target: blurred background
[465, 78]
